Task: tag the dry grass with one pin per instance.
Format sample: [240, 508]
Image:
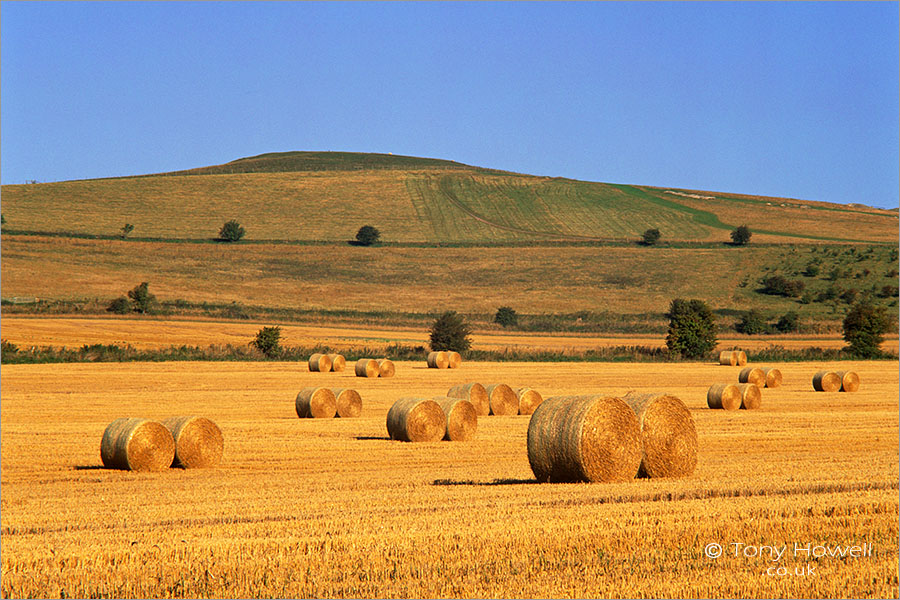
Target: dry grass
[387, 519]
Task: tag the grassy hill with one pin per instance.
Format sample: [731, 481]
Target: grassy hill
[327, 196]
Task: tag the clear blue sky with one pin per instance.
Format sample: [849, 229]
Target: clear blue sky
[782, 99]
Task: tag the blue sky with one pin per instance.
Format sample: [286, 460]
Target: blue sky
[783, 99]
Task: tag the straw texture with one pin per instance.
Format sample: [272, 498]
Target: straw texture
[462, 421]
[668, 435]
[529, 400]
[416, 420]
[348, 403]
[366, 367]
[198, 442]
[751, 397]
[320, 363]
[316, 403]
[385, 368]
[474, 393]
[849, 381]
[338, 362]
[135, 444]
[724, 395]
[826, 381]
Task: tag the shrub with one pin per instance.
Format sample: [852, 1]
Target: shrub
[850, 295]
[778, 285]
[811, 270]
[120, 306]
[889, 291]
[864, 329]
[231, 231]
[126, 229]
[752, 323]
[367, 235]
[650, 237]
[142, 300]
[450, 332]
[741, 236]
[692, 328]
[268, 341]
[788, 323]
[506, 316]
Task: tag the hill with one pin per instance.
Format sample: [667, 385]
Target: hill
[327, 196]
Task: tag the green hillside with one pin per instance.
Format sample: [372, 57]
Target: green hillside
[327, 196]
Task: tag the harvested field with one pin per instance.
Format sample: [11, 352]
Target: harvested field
[389, 519]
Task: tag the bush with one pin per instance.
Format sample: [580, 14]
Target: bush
[450, 332]
[506, 316]
[126, 229]
[752, 323]
[741, 236]
[367, 235]
[692, 328]
[142, 300]
[650, 237]
[788, 323]
[778, 285]
[231, 231]
[850, 295]
[889, 291]
[268, 341]
[864, 329]
[120, 306]
[811, 270]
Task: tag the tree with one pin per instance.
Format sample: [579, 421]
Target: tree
[692, 328]
[126, 229]
[120, 306]
[141, 298]
[788, 323]
[650, 237]
[231, 231]
[741, 236]
[778, 285]
[752, 323]
[506, 316]
[268, 341]
[450, 332]
[864, 329]
[367, 235]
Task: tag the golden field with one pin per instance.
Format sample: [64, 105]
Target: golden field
[332, 508]
[153, 333]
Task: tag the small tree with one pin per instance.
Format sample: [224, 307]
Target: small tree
[650, 237]
[367, 235]
[231, 231]
[142, 300]
[752, 323]
[864, 329]
[692, 328]
[120, 306]
[788, 323]
[506, 317]
[450, 332]
[268, 341]
[126, 229]
[741, 236]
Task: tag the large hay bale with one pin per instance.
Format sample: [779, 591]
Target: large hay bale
[753, 375]
[338, 362]
[584, 438]
[724, 395]
[462, 420]
[316, 403]
[438, 360]
[727, 357]
[501, 399]
[455, 359]
[135, 444]
[741, 358]
[773, 378]
[826, 381]
[320, 363]
[416, 420]
[667, 432]
[367, 367]
[849, 381]
[385, 368]
[198, 442]
[751, 397]
[529, 400]
[348, 403]
[474, 393]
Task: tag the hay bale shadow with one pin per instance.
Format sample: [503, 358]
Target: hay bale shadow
[505, 481]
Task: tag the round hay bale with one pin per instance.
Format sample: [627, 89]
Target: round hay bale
[316, 403]
[462, 420]
[724, 395]
[826, 381]
[416, 420]
[753, 375]
[474, 393]
[338, 362]
[667, 432]
[198, 442]
[773, 378]
[320, 363]
[529, 400]
[455, 359]
[849, 381]
[348, 403]
[385, 368]
[751, 397]
[741, 358]
[727, 357]
[367, 367]
[438, 360]
[135, 444]
[584, 438]
[502, 400]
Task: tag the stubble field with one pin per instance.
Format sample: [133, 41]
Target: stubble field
[332, 508]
